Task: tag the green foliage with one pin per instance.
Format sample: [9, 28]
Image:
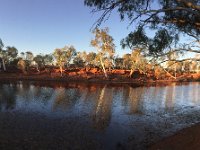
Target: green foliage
[138, 61]
[79, 59]
[103, 42]
[135, 39]
[138, 39]
[160, 42]
[12, 51]
[119, 63]
[29, 56]
[91, 59]
[1, 45]
[39, 59]
[127, 61]
[70, 53]
[168, 18]
[48, 59]
[64, 55]
[180, 15]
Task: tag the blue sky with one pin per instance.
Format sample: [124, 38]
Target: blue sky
[41, 26]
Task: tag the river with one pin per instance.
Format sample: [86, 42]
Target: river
[54, 115]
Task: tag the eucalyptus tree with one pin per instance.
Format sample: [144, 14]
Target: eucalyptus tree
[168, 19]
[60, 56]
[172, 57]
[193, 66]
[48, 59]
[2, 55]
[21, 65]
[22, 55]
[1, 45]
[79, 60]
[119, 63]
[29, 56]
[7, 55]
[91, 58]
[197, 63]
[138, 62]
[64, 56]
[39, 59]
[126, 61]
[70, 53]
[85, 59]
[12, 52]
[105, 47]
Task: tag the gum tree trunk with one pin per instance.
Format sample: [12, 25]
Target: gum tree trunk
[4, 66]
[104, 70]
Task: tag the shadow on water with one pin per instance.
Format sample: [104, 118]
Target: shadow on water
[116, 116]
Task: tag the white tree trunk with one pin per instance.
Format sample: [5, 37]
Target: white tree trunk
[104, 70]
[131, 73]
[4, 66]
[175, 71]
[61, 70]
[169, 73]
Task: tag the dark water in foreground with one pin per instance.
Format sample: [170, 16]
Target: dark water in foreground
[94, 116]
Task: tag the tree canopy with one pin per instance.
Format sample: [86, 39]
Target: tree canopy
[1, 45]
[103, 42]
[168, 18]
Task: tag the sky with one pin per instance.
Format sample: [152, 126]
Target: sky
[41, 26]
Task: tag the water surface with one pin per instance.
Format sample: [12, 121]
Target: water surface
[98, 116]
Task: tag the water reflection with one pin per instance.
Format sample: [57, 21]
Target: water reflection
[99, 102]
[195, 93]
[8, 97]
[102, 110]
[136, 100]
[64, 98]
[170, 96]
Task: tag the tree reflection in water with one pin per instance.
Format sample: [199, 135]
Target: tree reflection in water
[101, 102]
[135, 100]
[65, 98]
[102, 110]
[7, 96]
[170, 96]
[195, 93]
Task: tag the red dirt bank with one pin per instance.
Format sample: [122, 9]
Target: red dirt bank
[96, 75]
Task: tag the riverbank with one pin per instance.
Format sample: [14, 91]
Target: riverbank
[113, 78]
[186, 139]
